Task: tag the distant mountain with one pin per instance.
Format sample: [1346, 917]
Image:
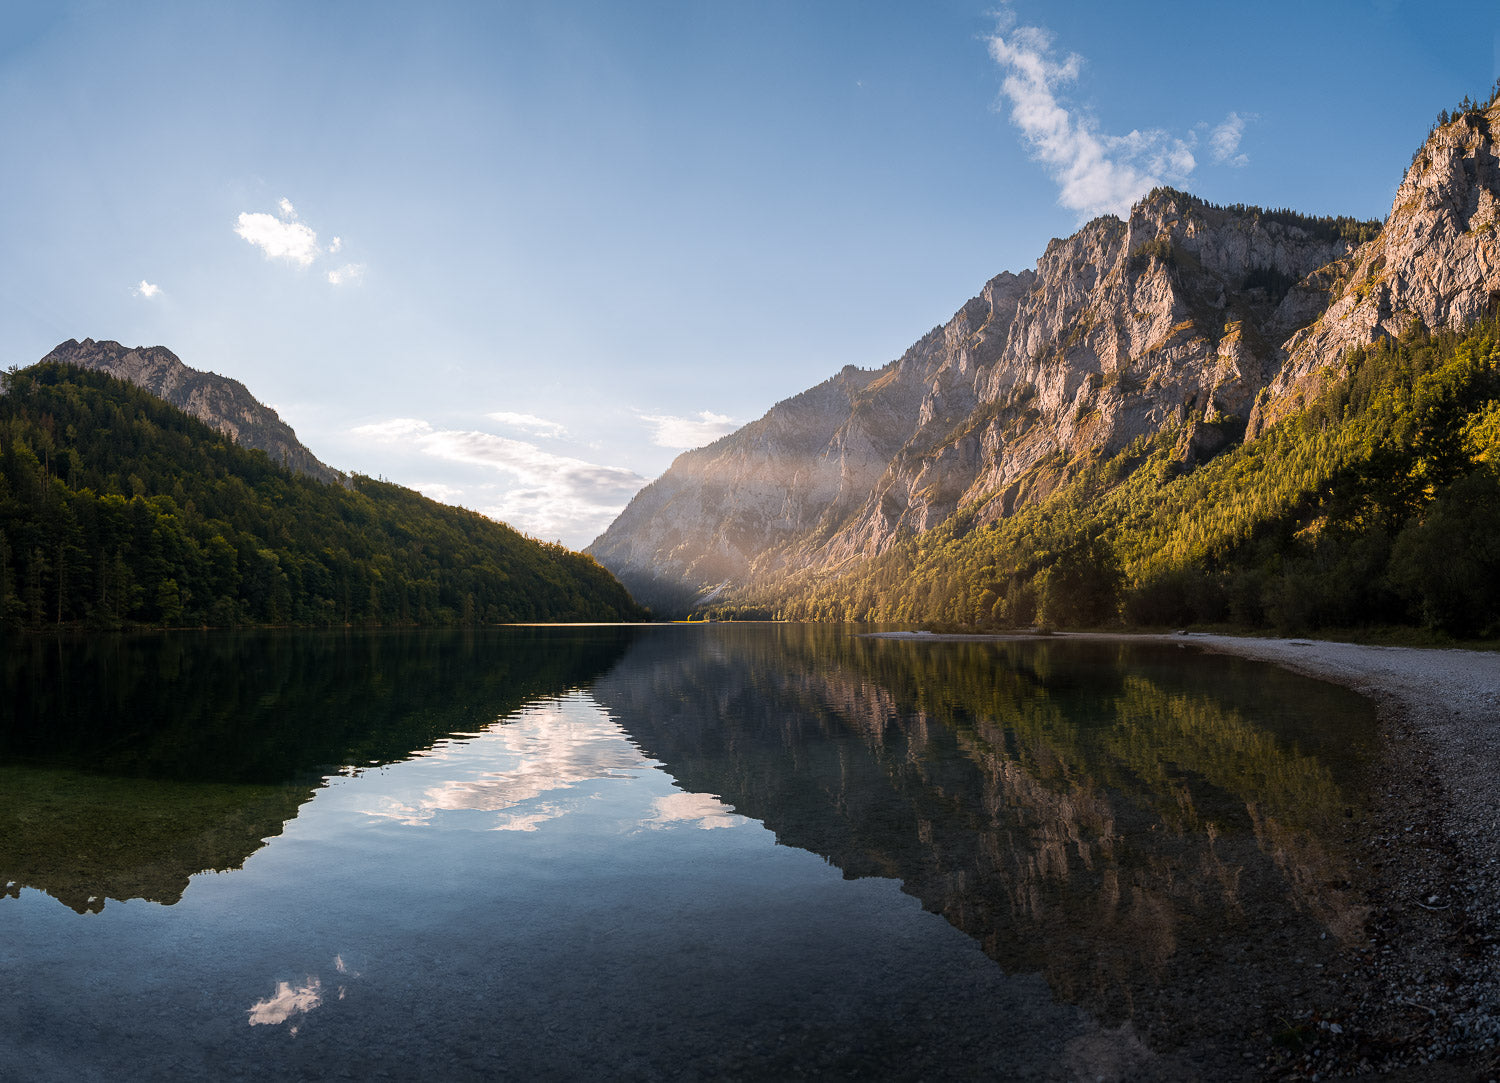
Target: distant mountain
[217, 401]
[117, 508]
[1179, 332]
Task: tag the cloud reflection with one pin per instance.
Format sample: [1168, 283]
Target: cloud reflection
[536, 767]
[701, 810]
[287, 1001]
[543, 751]
[293, 999]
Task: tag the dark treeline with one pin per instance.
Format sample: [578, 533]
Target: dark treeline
[1377, 504]
[117, 509]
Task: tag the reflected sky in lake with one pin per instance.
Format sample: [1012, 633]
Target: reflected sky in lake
[668, 852]
[533, 769]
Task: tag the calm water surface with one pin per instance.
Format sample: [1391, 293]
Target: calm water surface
[673, 852]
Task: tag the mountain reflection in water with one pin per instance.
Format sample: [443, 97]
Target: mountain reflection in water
[1123, 818]
[130, 763]
[554, 852]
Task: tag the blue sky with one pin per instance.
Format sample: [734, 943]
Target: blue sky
[520, 255]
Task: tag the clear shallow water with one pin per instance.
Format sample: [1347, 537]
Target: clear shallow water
[660, 853]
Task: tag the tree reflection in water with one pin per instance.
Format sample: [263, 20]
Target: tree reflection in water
[1162, 836]
[130, 763]
[1133, 821]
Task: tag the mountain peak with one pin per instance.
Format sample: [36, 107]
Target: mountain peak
[218, 401]
[1122, 329]
[1212, 320]
[1435, 263]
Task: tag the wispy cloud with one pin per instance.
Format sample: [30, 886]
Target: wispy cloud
[547, 495]
[348, 274]
[689, 432]
[538, 426]
[583, 480]
[146, 289]
[442, 493]
[1096, 173]
[1224, 140]
[397, 428]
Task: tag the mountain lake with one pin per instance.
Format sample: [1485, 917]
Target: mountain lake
[665, 852]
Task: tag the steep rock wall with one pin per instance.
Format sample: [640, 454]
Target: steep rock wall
[1214, 320]
[1435, 263]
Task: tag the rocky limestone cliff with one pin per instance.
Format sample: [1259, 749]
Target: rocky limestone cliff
[1208, 321]
[218, 401]
[803, 466]
[1436, 262]
[1122, 329]
[1125, 328]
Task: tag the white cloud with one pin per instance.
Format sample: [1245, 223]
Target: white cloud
[146, 289]
[279, 238]
[549, 496]
[539, 426]
[1224, 140]
[1095, 173]
[285, 236]
[348, 273]
[436, 490]
[690, 432]
[397, 428]
[531, 464]
[553, 513]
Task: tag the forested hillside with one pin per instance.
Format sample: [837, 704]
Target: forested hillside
[119, 509]
[1378, 503]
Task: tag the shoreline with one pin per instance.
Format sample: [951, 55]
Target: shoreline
[1429, 980]
[1436, 900]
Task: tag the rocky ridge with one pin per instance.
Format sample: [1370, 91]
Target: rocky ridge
[1188, 317]
[1436, 263]
[218, 401]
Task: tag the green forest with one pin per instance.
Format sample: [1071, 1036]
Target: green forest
[119, 510]
[1376, 505]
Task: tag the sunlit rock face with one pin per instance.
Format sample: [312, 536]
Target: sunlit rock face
[1436, 263]
[742, 503]
[1121, 329]
[1126, 327]
[217, 401]
[1212, 319]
